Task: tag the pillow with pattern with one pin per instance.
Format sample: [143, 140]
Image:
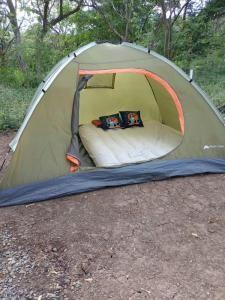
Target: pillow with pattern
[131, 118]
[111, 121]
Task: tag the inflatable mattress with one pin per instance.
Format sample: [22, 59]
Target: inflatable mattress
[116, 147]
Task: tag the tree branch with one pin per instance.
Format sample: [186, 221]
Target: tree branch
[116, 11]
[180, 11]
[63, 16]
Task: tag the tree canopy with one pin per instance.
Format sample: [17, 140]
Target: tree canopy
[35, 34]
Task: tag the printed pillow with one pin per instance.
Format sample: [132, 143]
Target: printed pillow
[97, 123]
[111, 121]
[131, 118]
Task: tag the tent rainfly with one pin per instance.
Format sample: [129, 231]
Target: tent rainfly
[59, 152]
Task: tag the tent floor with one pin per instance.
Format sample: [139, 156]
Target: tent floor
[154, 240]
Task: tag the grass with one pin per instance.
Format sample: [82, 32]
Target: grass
[13, 105]
[15, 101]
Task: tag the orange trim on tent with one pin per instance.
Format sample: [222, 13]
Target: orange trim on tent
[149, 74]
[74, 163]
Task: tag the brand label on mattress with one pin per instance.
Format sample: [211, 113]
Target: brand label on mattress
[206, 147]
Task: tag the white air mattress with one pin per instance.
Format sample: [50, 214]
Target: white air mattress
[116, 147]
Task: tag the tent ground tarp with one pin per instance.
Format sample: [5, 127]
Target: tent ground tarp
[101, 178]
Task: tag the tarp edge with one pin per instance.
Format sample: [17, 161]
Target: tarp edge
[100, 178]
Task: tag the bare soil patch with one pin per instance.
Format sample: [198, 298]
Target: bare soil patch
[5, 139]
[157, 240]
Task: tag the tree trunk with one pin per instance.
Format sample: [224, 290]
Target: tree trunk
[128, 11]
[39, 54]
[2, 59]
[167, 39]
[44, 13]
[16, 31]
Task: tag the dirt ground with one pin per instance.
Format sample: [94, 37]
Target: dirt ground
[158, 240]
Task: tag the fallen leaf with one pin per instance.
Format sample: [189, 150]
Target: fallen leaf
[146, 291]
[195, 235]
[53, 272]
[89, 279]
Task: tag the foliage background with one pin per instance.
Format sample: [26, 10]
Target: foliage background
[37, 34]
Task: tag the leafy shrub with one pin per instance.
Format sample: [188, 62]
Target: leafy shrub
[13, 106]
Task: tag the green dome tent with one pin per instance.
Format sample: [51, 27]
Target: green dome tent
[103, 79]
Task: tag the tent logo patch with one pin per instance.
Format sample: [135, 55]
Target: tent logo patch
[207, 147]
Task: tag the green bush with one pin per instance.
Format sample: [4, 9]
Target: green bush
[15, 78]
[209, 73]
[13, 106]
